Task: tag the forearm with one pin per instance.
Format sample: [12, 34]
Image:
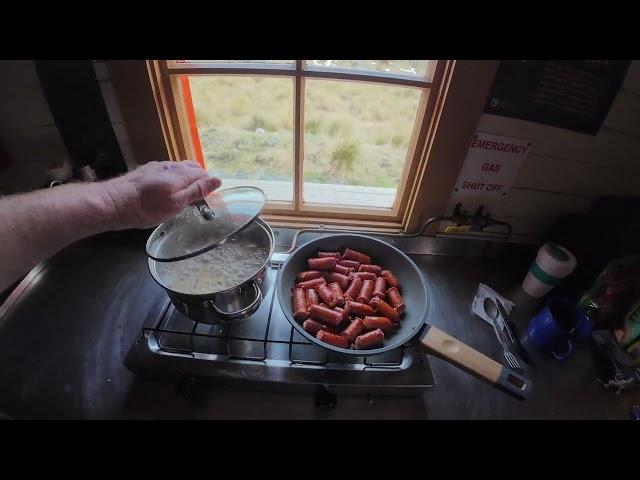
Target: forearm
[36, 225]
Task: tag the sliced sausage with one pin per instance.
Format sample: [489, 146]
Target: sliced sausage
[332, 339]
[327, 295]
[311, 283]
[395, 300]
[300, 311]
[309, 275]
[370, 268]
[363, 275]
[370, 339]
[353, 330]
[380, 287]
[359, 309]
[312, 297]
[326, 315]
[340, 279]
[365, 292]
[335, 255]
[354, 289]
[356, 256]
[350, 264]
[337, 291]
[391, 279]
[322, 263]
[385, 309]
[343, 270]
[383, 323]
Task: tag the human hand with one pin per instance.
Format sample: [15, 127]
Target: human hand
[156, 191]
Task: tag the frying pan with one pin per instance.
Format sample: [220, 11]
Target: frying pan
[413, 322]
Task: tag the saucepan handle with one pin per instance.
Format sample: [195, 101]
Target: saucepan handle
[244, 312]
[463, 356]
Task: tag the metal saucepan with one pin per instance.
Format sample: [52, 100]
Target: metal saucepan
[416, 298]
[235, 303]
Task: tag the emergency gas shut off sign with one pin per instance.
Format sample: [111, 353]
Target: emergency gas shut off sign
[492, 163]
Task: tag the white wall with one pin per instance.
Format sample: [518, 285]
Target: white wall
[109, 96]
[28, 134]
[565, 170]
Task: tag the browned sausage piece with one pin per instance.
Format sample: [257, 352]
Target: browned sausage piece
[353, 330]
[350, 264]
[342, 269]
[365, 292]
[383, 323]
[327, 295]
[322, 263]
[354, 289]
[337, 291]
[346, 310]
[340, 279]
[370, 268]
[300, 311]
[312, 327]
[309, 275]
[380, 287]
[325, 315]
[311, 283]
[385, 309]
[370, 339]
[360, 309]
[395, 299]
[332, 339]
[312, 297]
[363, 275]
[391, 279]
[335, 255]
[356, 256]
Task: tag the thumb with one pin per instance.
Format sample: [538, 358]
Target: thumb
[197, 190]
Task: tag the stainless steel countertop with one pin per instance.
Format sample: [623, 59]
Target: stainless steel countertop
[62, 347]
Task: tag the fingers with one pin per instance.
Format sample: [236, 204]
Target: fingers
[197, 190]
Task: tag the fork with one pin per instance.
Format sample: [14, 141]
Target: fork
[509, 357]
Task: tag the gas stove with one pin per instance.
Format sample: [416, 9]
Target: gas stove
[264, 351]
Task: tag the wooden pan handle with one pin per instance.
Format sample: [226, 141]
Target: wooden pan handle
[462, 355]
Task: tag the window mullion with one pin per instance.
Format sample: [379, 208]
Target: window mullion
[298, 135]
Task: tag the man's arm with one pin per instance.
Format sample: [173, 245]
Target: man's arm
[35, 225]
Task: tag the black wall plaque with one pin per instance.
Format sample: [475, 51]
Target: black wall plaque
[571, 94]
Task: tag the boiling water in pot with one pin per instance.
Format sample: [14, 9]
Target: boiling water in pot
[222, 268]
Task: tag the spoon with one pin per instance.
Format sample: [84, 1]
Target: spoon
[491, 309]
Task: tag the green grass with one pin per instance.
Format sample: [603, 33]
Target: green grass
[355, 133]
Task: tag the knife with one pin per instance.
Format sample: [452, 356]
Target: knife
[508, 326]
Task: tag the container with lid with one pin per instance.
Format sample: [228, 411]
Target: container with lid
[211, 257]
[552, 264]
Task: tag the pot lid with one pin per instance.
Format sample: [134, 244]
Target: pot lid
[206, 224]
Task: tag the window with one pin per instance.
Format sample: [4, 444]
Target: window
[364, 143]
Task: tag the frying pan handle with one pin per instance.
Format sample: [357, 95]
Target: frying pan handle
[462, 355]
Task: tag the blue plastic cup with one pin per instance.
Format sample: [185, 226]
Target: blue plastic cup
[553, 329]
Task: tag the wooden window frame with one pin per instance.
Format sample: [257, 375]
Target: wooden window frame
[450, 113]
